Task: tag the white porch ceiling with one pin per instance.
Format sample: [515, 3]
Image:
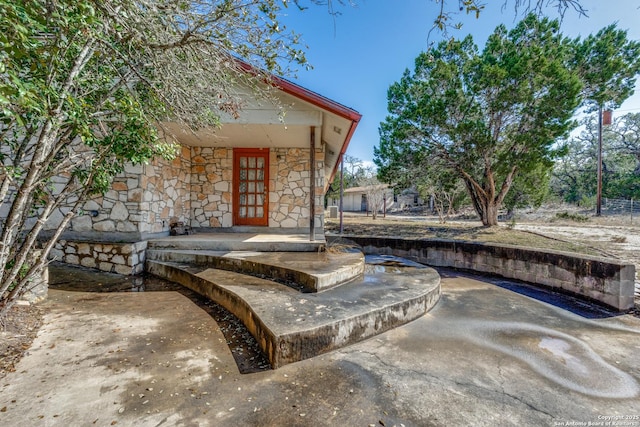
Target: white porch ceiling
[264, 125]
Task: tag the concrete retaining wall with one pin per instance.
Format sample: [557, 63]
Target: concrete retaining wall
[608, 281]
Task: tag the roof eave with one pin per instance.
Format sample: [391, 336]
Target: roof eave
[319, 101]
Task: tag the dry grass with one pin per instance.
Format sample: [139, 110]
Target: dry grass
[393, 226]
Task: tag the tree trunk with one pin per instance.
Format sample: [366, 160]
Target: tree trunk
[484, 198]
[489, 214]
[485, 207]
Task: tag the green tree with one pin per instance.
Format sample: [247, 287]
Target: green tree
[487, 116]
[574, 175]
[441, 187]
[529, 190]
[608, 64]
[86, 85]
[626, 138]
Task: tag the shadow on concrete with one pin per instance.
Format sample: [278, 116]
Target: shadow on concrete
[575, 305]
[245, 350]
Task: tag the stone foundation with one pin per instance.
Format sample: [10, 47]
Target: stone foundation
[121, 258]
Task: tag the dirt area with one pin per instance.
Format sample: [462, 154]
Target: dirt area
[17, 331]
[575, 231]
[617, 241]
[428, 227]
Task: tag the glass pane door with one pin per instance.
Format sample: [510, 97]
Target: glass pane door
[251, 171]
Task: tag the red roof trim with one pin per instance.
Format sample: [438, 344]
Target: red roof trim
[319, 101]
[326, 104]
[308, 95]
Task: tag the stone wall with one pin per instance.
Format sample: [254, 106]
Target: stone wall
[122, 258]
[289, 180]
[211, 177]
[289, 194]
[166, 193]
[607, 281]
[195, 188]
[143, 200]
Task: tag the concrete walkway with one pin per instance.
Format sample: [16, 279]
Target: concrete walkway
[484, 355]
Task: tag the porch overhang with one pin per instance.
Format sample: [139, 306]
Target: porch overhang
[262, 126]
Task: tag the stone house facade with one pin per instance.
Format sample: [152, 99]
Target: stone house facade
[257, 172]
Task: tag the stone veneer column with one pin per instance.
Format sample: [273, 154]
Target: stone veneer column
[211, 186]
[167, 193]
[289, 193]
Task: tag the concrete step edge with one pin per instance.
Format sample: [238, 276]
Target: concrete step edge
[287, 347]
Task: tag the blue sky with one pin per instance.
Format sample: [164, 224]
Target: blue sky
[357, 55]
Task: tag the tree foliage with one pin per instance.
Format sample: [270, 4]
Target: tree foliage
[625, 133]
[574, 175]
[441, 186]
[529, 190]
[86, 85]
[487, 116]
[608, 64]
[446, 18]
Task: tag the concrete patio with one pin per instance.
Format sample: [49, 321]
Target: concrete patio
[485, 355]
[301, 304]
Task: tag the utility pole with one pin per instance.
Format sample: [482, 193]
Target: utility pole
[604, 118]
[599, 190]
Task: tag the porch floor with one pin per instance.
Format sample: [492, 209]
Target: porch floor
[229, 241]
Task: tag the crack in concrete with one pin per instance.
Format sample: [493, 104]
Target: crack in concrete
[400, 372]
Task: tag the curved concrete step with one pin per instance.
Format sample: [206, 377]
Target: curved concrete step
[290, 326]
[305, 271]
[240, 241]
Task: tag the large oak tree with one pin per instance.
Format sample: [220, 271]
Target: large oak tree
[487, 115]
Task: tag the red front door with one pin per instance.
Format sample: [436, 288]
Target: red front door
[250, 186]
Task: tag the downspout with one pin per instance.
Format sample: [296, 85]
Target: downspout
[599, 170]
[312, 185]
[341, 191]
